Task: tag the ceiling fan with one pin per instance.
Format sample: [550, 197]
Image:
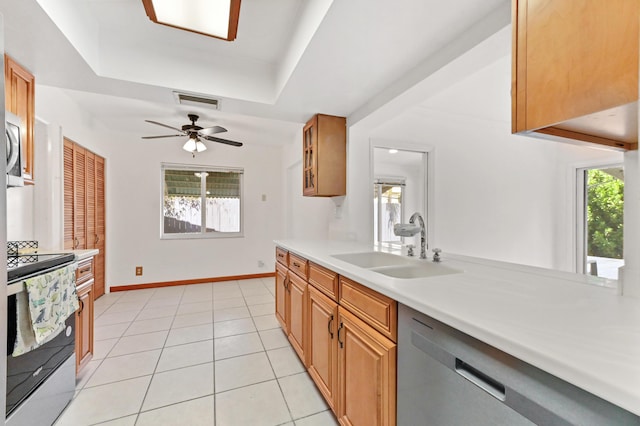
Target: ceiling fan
[195, 134]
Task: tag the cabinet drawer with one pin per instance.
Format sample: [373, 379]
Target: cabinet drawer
[298, 265]
[84, 271]
[377, 310]
[282, 256]
[324, 280]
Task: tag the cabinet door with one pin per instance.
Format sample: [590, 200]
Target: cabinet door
[309, 151]
[297, 294]
[84, 325]
[366, 374]
[572, 60]
[80, 198]
[20, 100]
[69, 230]
[281, 296]
[322, 344]
[100, 231]
[90, 187]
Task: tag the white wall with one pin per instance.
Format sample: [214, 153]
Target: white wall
[305, 217]
[133, 200]
[496, 195]
[20, 208]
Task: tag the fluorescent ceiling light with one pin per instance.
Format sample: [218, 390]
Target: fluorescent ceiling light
[215, 18]
[393, 151]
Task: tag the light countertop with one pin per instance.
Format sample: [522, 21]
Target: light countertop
[80, 254]
[573, 326]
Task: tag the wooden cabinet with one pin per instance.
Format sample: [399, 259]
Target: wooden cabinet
[345, 334]
[575, 70]
[84, 314]
[297, 320]
[282, 281]
[324, 151]
[84, 206]
[322, 345]
[324, 280]
[20, 100]
[366, 374]
[379, 311]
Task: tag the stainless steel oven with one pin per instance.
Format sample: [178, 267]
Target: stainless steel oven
[40, 383]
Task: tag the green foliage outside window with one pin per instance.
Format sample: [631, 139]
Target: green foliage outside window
[604, 214]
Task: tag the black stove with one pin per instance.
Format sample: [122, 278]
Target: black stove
[26, 265]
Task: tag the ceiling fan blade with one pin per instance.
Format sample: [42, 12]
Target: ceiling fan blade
[225, 141]
[168, 127]
[208, 131]
[165, 136]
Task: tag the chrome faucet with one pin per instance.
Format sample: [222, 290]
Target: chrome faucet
[423, 234]
[404, 230]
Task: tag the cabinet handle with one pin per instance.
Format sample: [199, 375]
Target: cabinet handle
[81, 306]
[76, 244]
[97, 239]
[339, 330]
[329, 327]
[286, 283]
[84, 269]
[296, 264]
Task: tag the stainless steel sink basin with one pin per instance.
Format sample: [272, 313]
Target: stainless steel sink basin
[421, 270]
[372, 259]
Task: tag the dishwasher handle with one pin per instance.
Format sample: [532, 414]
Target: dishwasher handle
[482, 380]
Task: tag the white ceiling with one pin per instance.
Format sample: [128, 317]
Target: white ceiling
[291, 59]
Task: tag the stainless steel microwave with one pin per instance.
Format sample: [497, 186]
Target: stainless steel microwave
[14, 150]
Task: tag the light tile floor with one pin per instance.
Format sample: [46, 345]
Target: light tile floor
[202, 354]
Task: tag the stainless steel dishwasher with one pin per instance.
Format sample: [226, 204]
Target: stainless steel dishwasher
[447, 378]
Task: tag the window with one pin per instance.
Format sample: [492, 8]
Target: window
[600, 221]
[201, 202]
[387, 210]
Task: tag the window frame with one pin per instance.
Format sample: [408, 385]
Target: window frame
[199, 169]
[378, 184]
[581, 264]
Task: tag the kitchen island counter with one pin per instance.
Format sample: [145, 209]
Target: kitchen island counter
[573, 326]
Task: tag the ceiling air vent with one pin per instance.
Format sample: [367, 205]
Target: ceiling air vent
[196, 100]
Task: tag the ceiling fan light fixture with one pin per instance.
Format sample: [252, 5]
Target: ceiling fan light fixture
[214, 18]
[190, 146]
[200, 147]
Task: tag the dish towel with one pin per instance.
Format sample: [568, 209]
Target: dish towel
[43, 308]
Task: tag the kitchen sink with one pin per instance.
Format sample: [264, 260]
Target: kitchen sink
[422, 270]
[395, 266]
[372, 259]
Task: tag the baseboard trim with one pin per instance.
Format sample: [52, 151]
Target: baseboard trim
[194, 281]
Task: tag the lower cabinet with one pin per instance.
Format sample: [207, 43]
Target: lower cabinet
[322, 345]
[281, 293]
[349, 350]
[84, 314]
[297, 295]
[366, 374]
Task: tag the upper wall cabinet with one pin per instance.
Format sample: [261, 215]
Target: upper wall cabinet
[324, 150]
[575, 70]
[19, 87]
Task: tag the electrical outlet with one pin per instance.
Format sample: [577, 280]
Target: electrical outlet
[138, 270]
[260, 264]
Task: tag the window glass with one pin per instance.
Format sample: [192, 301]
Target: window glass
[197, 196]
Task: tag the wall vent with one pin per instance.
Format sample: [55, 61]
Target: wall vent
[196, 100]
